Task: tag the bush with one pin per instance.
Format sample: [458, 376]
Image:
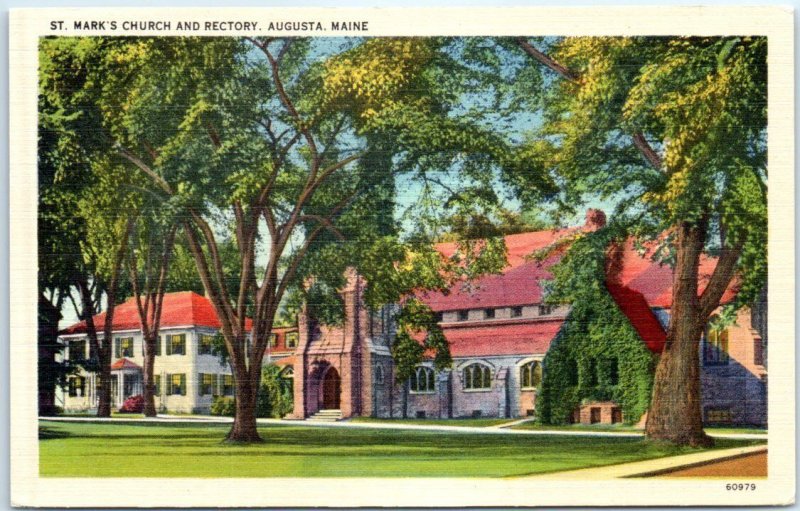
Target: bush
[134, 404]
[276, 395]
[51, 411]
[224, 406]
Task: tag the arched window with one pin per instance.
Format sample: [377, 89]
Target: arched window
[530, 375]
[477, 376]
[288, 372]
[378, 373]
[422, 380]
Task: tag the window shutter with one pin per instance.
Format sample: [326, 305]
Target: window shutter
[169, 384]
[117, 347]
[169, 345]
[200, 384]
[158, 346]
[183, 385]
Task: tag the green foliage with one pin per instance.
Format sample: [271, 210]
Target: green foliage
[275, 398]
[597, 355]
[699, 103]
[415, 320]
[223, 406]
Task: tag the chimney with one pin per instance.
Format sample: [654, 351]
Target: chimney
[595, 219]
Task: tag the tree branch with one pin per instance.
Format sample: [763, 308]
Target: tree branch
[639, 141]
[720, 279]
[146, 169]
[548, 62]
[647, 150]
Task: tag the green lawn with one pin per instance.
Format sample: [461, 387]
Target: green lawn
[471, 423]
[138, 449]
[720, 429]
[626, 428]
[622, 428]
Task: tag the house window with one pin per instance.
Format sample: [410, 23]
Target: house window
[422, 380]
[590, 376]
[176, 344]
[613, 371]
[77, 350]
[176, 384]
[123, 347]
[157, 345]
[530, 375]
[206, 344]
[291, 339]
[378, 373]
[288, 372]
[77, 386]
[273, 340]
[488, 314]
[715, 348]
[206, 386]
[758, 351]
[157, 385]
[227, 385]
[718, 415]
[439, 317]
[477, 377]
[545, 310]
[516, 312]
[463, 315]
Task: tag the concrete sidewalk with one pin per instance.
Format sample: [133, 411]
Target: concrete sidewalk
[653, 467]
[500, 429]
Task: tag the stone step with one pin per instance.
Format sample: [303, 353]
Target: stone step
[326, 416]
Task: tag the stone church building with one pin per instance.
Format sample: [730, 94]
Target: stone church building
[499, 331]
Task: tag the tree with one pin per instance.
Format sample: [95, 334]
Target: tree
[674, 130]
[153, 239]
[84, 215]
[292, 146]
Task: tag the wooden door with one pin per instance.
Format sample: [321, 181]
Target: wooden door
[331, 389]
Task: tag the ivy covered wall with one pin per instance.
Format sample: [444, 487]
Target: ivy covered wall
[597, 355]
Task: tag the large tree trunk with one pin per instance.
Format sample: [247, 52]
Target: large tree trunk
[149, 362]
[244, 422]
[104, 401]
[675, 411]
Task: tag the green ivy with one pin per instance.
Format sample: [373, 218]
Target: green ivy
[597, 355]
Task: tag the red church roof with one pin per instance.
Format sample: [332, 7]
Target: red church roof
[519, 284]
[654, 280]
[517, 338]
[637, 284]
[641, 317]
[184, 308]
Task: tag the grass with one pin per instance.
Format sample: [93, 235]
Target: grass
[625, 428]
[116, 415]
[620, 427]
[196, 450]
[470, 423]
[730, 429]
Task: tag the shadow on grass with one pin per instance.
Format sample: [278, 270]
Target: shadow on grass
[46, 433]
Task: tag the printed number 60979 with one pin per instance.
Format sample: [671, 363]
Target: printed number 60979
[740, 486]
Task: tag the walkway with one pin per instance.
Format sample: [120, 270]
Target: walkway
[724, 459]
[753, 465]
[501, 429]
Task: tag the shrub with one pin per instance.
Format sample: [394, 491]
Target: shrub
[134, 404]
[276, 396]
[223, 405]
[51, 411]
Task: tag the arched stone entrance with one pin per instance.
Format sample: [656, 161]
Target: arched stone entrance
[331, 390]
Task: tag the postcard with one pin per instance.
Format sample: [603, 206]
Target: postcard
[426, 257]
